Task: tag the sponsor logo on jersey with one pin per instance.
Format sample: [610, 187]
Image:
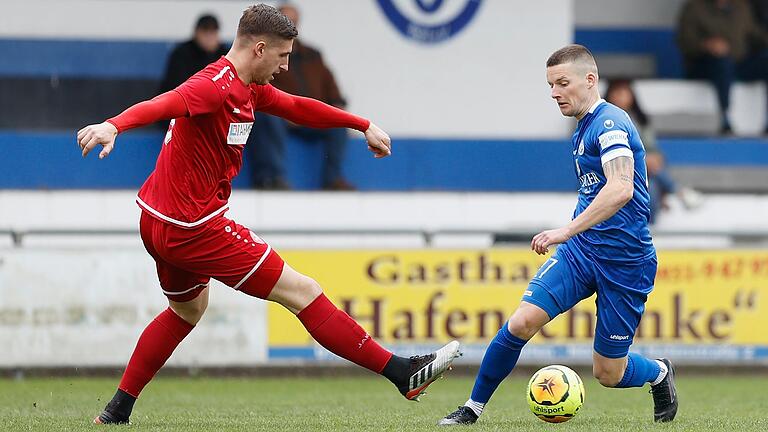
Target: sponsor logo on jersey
[235, 110]
[608, 124]
[589, 179]
[429, 21]
[613, 137]
[238, 133]
[619, 337]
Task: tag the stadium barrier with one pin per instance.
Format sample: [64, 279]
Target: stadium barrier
[707, 308]
[73, 273]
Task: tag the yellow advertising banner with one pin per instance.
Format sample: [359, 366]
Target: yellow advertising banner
[707, 303]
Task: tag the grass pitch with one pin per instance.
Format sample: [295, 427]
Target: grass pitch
[719, 403]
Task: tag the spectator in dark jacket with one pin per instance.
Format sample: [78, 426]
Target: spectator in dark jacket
[307, 75]
[191, 56]
[715, 37]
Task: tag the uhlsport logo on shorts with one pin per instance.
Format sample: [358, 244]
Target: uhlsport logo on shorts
[429, 21]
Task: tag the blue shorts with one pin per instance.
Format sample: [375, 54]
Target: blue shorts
[569, 277]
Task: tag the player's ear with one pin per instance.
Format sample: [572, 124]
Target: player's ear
[591, 80]
[259, 48]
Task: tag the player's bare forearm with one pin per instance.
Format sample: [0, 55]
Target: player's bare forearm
[617, 191]
[613, 196]
[608, 201]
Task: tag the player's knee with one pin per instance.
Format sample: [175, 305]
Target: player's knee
[191, 313]
[522, 326]
[309, 287]
[607, 377]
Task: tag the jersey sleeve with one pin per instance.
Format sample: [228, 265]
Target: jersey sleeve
[206, 91]
[613, 137]
[263, 96]
[304, 111]
[166, 106]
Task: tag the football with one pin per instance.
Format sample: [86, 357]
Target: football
[555, 393]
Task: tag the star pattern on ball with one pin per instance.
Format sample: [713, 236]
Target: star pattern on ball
[547, 385]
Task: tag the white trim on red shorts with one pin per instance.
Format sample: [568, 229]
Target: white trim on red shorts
[256, 267]
[185, 291]
[183, 224]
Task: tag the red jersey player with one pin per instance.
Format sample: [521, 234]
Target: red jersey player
[183, 202]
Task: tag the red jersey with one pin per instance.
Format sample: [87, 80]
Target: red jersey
[203, 151]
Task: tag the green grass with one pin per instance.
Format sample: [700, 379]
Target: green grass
[365, 404]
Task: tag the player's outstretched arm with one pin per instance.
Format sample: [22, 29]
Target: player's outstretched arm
[618, 191]
[316, 114]
[163, 107]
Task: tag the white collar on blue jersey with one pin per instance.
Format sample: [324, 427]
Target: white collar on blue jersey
[596, 104]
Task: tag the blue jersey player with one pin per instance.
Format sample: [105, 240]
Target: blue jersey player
[605, 249]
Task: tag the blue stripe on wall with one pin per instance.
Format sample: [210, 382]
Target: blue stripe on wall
[35, 160]
[146, 59]
[715, 152]
[658, 42]
[84, 59]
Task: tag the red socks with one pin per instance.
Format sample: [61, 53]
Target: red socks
[331, 327]
[155, 345]
[341, 335]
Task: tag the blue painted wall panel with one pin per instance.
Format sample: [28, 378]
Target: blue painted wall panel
[146, 59]
[84, 59]
[34, 160]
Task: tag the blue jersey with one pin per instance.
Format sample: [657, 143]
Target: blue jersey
[603, 134]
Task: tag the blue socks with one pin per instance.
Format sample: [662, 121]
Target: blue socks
[640, 370]
[499, 360]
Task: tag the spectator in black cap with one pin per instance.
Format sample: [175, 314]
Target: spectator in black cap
[191, 56]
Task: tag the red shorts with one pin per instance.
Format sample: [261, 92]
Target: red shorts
[187, 259]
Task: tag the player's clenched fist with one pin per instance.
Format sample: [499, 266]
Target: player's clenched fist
[98, 134]
[378, 141]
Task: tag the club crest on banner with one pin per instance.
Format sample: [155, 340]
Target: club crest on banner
[429, 21]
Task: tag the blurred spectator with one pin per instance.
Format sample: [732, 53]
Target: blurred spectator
[715, 37]
[191, 56]
[760, 12]
[660, 182]
[307, 76]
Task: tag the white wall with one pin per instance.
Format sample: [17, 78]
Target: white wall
[486, 82]
[35, 210]
[87, 307]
